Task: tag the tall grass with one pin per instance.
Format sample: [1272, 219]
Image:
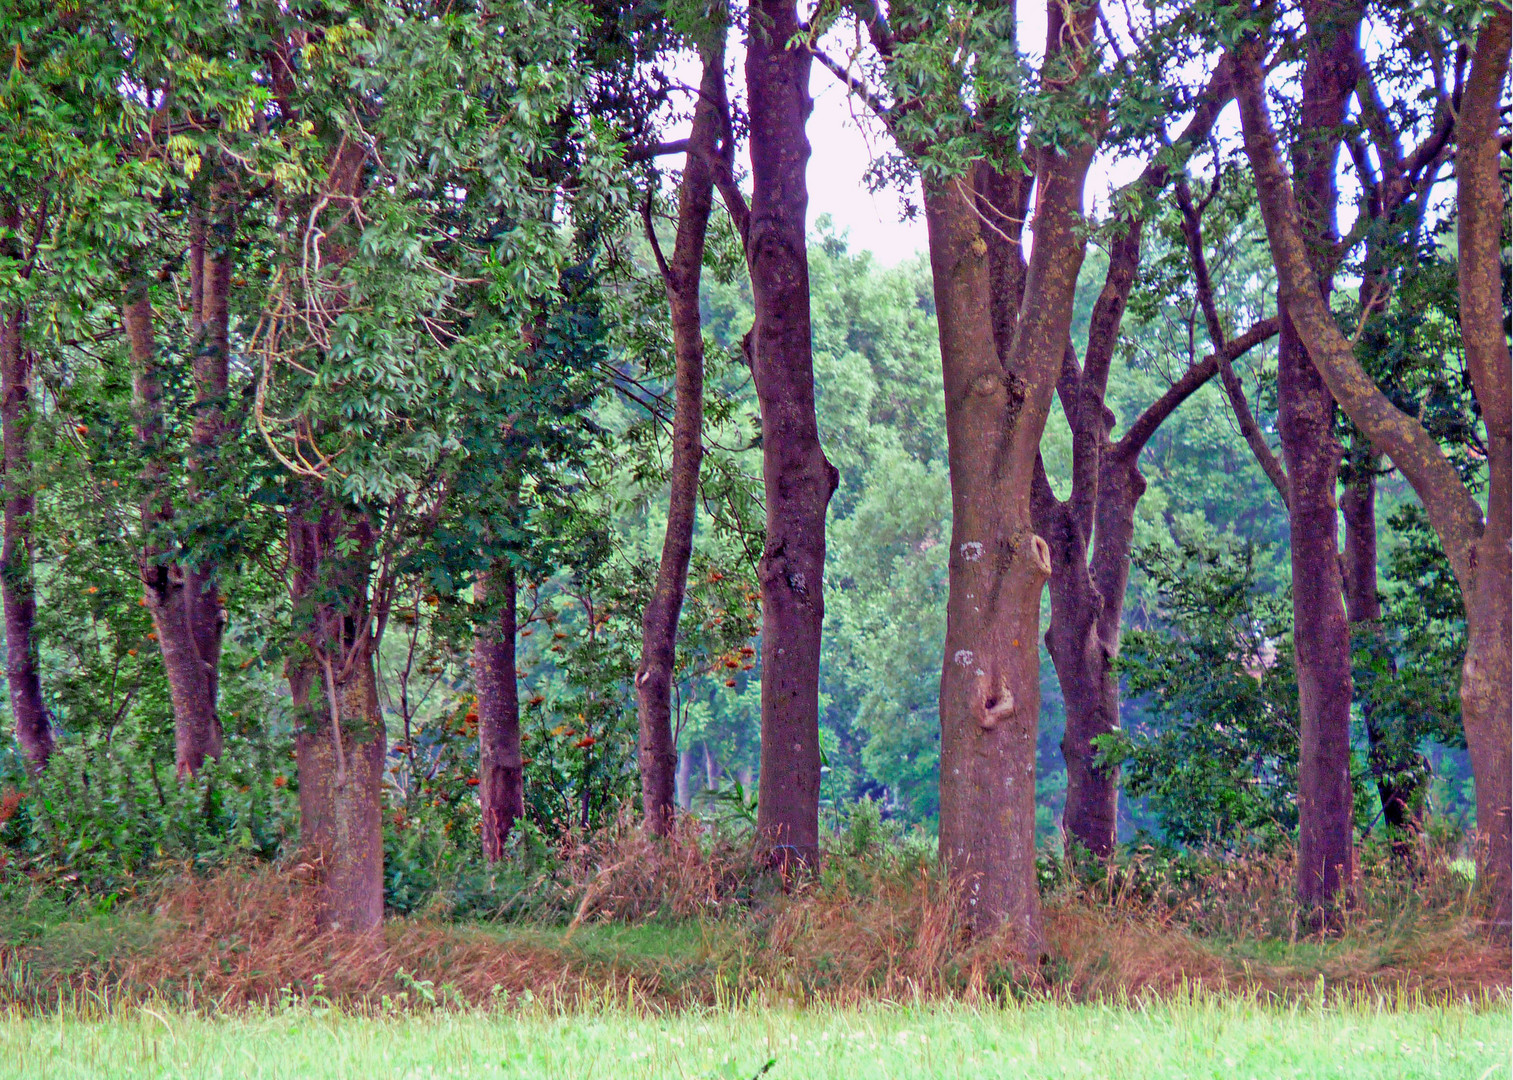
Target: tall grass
[697, 919]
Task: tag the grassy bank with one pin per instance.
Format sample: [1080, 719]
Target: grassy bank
[1206, 1037]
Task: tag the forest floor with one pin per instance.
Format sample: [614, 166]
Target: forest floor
[1228, 1038]
[635, 932]
[649, 959]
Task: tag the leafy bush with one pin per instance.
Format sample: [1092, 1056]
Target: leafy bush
[110, 811]
[1218, 761]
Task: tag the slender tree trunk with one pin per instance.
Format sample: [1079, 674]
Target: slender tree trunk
[798, 479]
[685, 778]
[1321, 634]
[34, 732]
[659, 624]
[340, 744]
[712, 770]
[1476, 544]
[501, 789]
[1398, 770]
[1486, 678]
[205, 612]
[1087, 603]
[1089, 534]
[1084, 669]
[165, 588]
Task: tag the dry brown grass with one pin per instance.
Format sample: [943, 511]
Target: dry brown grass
[883, 926]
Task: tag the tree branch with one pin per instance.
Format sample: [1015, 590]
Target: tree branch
[1255, 438]
[855, 85]
[1140, 432]
[1452, 510]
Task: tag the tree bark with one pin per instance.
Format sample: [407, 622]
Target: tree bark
[340, 744]
[990, 678]
[1321, 635]
[34, 731]
[1305, 422]
[501, 788]
[204, 610]
[1477, 548]
[798, 479]
[659, 623]
[1089, 534]
[997, 397]
[1397, 770]
[1487, 677]
[166, 583]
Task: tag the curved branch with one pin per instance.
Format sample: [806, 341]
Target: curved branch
[1454, 513]
[1192, 231]
[1140, 432]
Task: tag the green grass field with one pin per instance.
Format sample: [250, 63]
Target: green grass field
[1220, 1038]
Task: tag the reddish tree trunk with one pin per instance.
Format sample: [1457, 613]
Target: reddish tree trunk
[1397, 770]
[34, 732]
[166, 588]
[1487, 677]
[1476, 544]
[990, 680]
[205, 612]
[501, 786]
[340, 744]
[997, 396]
[1305, 422]
[798, 479]
[1089, 534]
[659, 624]
[1321, 636]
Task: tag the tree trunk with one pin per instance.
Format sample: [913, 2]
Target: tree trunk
[1486, 678]
[1398, 770]
[1087, 603]
[1305, 423]
[685, 778]
[990, 678]
[166, 584]
[34, 731]
[798, 479]
[204, 610]
[1089, 534]
[1476, 546]
[1321, 636]
[996, 403]
[1486, 701]
[501, 788]
[340, 745]
[659, 624]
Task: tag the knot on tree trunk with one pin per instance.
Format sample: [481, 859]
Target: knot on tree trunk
[991, 703]
[1040, 555]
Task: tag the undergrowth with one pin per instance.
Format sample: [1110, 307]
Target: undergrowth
[696, 918]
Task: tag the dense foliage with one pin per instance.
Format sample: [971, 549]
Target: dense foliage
[320, 316]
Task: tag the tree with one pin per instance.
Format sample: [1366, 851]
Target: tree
[1004, 325]
[709, 147]
[1090, 532]
[17, 582]
[420, 267]
[1476, 544]
[797, 477]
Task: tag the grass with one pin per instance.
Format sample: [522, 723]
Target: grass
[1197, 1036]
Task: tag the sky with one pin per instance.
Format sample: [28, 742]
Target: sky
[844, 145]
